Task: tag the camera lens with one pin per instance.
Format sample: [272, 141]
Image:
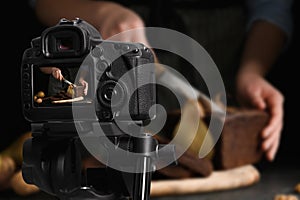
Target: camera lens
[111, 94]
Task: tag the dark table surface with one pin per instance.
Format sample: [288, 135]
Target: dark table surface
[276, 178]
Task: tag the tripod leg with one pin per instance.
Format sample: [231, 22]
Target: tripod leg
[142, 180]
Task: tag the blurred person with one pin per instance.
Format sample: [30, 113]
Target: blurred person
[244, 38]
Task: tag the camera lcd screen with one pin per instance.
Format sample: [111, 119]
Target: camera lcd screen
[50, 90]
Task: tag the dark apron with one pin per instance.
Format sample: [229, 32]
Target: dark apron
[217, 25]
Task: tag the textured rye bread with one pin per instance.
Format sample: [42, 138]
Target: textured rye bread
[240, 141]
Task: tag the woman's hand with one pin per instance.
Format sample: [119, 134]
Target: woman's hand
[56, 73]
[253, 90]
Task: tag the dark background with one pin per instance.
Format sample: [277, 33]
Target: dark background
[19, 27]
[284, 75]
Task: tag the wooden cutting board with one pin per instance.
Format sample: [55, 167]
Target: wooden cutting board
[219, 180]
[69, 100]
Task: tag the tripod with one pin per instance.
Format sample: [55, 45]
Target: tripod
[52, 160]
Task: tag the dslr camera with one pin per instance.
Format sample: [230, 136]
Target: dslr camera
[116, 89]
[76, 47]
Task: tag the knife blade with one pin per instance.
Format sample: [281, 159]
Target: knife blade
[178, 84]
[68, 82]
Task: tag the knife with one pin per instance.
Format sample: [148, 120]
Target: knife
[178, 84]
[68, 82]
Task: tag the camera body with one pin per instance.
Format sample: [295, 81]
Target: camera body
[77, 46]
[119, 83]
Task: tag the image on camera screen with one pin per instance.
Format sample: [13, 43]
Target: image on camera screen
[61, 85]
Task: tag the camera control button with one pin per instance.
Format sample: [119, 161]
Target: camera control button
[27, 86]
[26, 67]
[117, 46]
[37, 53]
[27, 106]
[97, 52]
[136, 50]
[125, 47]
[106, 114]
[28, 53]
[111, 94]
[26, 76]
[102, 65]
